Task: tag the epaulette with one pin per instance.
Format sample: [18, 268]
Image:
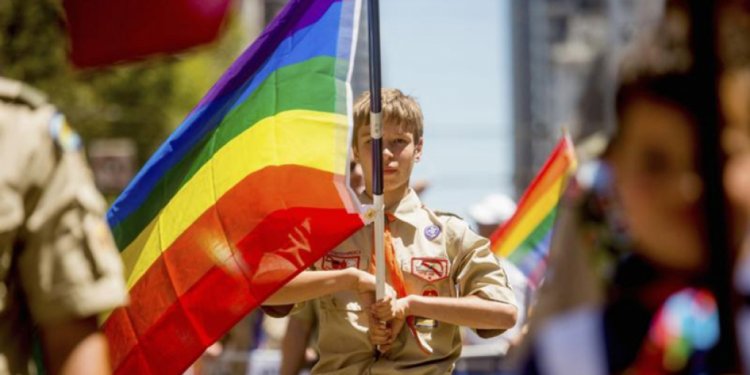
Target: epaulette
[63, 135]
[445, 213]
[21, 93]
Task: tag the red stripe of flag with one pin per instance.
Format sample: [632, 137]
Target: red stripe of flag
[260, 239]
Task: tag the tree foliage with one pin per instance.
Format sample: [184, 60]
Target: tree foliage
[143, 101]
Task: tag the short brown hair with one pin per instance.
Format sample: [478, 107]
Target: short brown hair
[397, 108]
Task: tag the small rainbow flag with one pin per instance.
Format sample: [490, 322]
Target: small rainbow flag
[246, 193]
[525, 238]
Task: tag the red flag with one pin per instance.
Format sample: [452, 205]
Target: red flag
[104, 32]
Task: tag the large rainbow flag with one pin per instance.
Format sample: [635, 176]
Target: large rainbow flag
[246, 193]
[525, 239]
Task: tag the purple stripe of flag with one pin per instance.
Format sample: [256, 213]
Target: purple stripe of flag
[296, 15]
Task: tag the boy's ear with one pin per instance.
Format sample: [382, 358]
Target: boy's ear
[418, 149]
[355, 154]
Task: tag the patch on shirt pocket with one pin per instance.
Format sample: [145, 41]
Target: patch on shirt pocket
[429, 269]
[341, 261]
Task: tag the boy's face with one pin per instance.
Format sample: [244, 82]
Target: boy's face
[400, 152]
[658, 184]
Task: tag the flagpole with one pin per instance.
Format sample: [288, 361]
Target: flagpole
[376, 132]
[723, 357]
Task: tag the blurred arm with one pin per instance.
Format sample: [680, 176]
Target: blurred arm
[294, 345]
[75, 347]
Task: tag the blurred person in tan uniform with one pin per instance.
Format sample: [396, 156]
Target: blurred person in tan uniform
[443, 273]
[298, 348]
[59, 267]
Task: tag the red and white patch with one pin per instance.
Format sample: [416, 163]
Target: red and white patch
[429, 269]
[340, 261]
[430, 291]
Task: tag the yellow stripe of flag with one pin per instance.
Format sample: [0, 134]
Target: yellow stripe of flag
[296, 137]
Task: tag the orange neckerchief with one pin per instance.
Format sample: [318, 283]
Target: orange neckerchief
[397, 277]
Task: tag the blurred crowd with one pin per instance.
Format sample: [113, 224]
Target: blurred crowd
[634, 283]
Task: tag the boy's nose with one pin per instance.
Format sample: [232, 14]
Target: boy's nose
[387, 151]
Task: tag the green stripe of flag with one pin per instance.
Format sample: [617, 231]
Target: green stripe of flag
[532, 241]
[291, 87]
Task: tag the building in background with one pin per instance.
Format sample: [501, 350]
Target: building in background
[565, 55]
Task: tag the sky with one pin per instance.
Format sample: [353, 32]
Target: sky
[455, 58]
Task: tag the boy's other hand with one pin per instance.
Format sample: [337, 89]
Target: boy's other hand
[390, 308]
[393, 311]
[380, 333]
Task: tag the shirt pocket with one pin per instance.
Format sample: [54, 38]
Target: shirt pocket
[344, 306]
[428, 276]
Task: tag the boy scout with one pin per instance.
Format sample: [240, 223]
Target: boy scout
[58, 264]
[444, 274]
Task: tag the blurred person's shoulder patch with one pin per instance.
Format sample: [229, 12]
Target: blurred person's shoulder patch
[63, 135]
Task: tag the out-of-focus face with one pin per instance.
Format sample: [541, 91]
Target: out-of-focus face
[400, 152]
[658, 184]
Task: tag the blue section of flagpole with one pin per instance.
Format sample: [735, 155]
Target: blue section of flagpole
[377, 166]
[375, 100]
[373, 21]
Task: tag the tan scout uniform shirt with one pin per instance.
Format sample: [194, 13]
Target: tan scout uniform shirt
[439, 256]
[57, 257]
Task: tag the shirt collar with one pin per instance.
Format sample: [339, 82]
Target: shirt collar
[403, 210]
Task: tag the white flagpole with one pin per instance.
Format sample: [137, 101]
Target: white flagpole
[376, 132]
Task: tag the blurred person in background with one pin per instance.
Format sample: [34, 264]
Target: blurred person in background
[629, 258]
[231, 353]
[734, 89]
[59, 267]
[492, 212]
[736, 142]
[489, 214]
[298, 349]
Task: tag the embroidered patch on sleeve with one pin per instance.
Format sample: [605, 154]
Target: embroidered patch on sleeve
[431, 232]
[63, 135]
